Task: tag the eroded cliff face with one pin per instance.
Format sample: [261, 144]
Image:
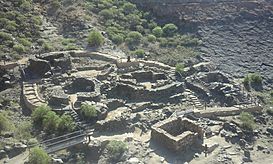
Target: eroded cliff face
[237, 35]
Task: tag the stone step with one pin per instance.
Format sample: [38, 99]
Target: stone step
[28, 85]
[35, 101]
[30, 93]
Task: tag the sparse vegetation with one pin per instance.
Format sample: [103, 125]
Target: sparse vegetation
[88, 111]
[95, 38]
[124, 22]
[4, 122]
[256, 78]
[252, 79]
[116, 149]
[23, 131]
[44, 118]
[179, 68]
[247, 120]
[39, 156]
[20, 27]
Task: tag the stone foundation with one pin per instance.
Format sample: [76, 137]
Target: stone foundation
[177, 134]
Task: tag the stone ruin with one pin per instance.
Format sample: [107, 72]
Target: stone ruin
[177, 134]
[129, 95]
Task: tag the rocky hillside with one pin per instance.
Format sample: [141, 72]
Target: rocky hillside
[236, 36]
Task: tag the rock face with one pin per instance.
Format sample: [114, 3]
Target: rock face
[177, 134]
[236, 35]
[38, 67]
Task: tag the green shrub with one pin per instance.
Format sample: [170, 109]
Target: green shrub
[140, 29]
[151, 38]
[68, 41]
[25, 42]
[4, 122]
[11, 26]
[187, 40]
[247, 121]
[133, 20]
[116, 149]
[169, 29]
[128, 8]
[157, 31]
[39, 114]
[26, 5]
[51, 122]
[56, 4]
[95, 38]
[140, 53]
[39, 156]
[71, 47]
[66, 124]
[47, 47]
[5, 36]
[179, 68]
[37, 20]
[88, 111]
[256, 78]
[246, 81]
[152, 24]
[106, 14]
[23, 131]
[19, 48]
[133, 38]
[117, 39]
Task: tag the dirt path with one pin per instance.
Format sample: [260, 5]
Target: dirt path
[19, 159]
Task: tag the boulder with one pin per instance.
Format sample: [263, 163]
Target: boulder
[3, 154]
[270, 130]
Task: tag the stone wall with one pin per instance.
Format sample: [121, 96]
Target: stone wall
[177, 134]
[228, 111]
[130, 92]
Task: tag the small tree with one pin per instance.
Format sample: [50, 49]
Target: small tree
[51, 122]
[39, 156]
[116, 149]
[157, 31]
[39, 114]
[133, 38]
[88, 111]
[247, 120]
[66, 124]
[95, 38]
[169, 29]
